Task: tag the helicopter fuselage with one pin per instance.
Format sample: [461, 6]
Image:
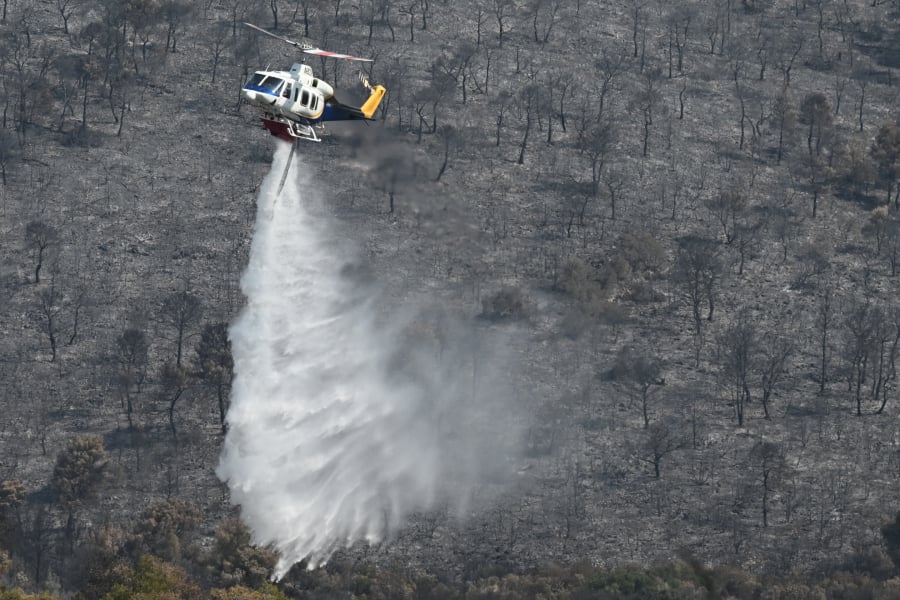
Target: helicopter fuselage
[293, 102]
[294, 94]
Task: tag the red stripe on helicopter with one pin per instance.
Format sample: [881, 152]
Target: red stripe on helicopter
[279, 130]
[334, 54]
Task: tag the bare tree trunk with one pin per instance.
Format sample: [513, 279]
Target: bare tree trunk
[521, 159]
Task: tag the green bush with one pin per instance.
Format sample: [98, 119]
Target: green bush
[238, 592]
[631, 583]
[154, 579]
[162, 527]
[17, 594]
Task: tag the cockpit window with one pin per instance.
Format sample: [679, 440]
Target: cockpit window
[262, 82]
[287, 91]
[255, 80]
[304, 98]
[272, 84]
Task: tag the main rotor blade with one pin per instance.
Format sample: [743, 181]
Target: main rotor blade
[306, 47]
[334, 54]
[278, 37]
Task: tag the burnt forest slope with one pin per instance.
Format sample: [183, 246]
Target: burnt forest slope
[682, 215]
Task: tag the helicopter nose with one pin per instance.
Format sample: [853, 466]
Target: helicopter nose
[249, 96]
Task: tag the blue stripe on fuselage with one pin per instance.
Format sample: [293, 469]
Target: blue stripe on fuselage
[260, 89]
[338, 112]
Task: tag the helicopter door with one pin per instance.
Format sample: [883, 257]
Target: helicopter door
[287, 91]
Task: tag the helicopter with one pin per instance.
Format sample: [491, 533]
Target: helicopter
[294, 104]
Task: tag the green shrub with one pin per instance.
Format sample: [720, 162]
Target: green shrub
[238, 592]
[153, 579]
[631, 583]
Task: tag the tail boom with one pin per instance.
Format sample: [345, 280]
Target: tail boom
[371, 104]
[338, 111]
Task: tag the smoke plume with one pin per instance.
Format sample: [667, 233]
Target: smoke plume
[347, 417]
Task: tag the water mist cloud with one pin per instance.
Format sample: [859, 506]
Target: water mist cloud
[345, 419]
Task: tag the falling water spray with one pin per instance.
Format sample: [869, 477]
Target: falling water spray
[344, 420]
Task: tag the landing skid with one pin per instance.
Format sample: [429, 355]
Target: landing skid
[289, 130]
[287, 167]
[303, 132]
